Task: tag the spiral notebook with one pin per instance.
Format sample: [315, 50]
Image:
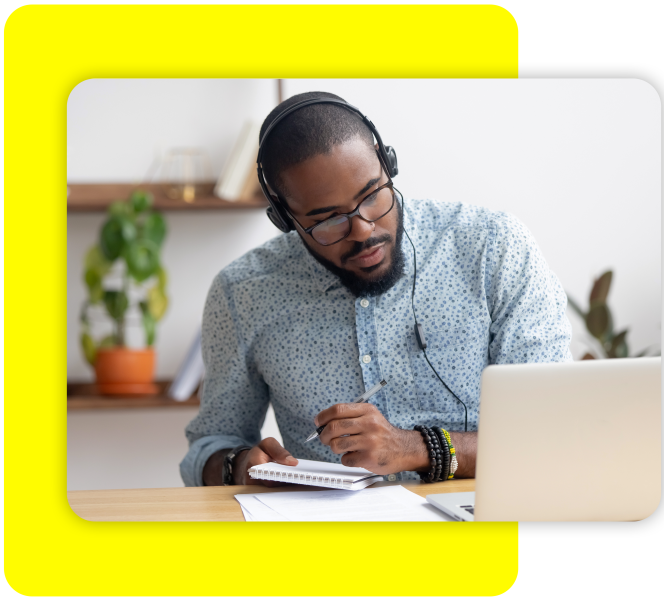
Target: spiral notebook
[313, 472]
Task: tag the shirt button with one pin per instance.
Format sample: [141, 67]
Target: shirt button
[391, 477]
[366, 359]
[364, 303]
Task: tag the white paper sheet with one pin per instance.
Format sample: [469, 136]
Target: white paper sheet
[391, 503]
[254, 510]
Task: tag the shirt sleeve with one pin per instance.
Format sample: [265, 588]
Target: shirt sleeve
[234, 399]
[526, 301]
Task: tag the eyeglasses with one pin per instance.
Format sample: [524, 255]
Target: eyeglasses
[372, 207]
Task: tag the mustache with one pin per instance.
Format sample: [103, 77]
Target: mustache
[362, 246]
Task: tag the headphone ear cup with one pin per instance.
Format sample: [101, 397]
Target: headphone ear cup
[278, 216]
[391, 159]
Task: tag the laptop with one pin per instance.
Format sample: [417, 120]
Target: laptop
[578, 441]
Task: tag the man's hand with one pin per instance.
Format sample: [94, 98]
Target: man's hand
[366, 439]
[268, 450]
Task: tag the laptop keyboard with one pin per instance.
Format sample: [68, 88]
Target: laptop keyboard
[469, 507]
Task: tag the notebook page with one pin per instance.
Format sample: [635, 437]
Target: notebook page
[393, 503]
[318, 468]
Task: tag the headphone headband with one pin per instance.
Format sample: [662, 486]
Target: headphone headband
[275, 212]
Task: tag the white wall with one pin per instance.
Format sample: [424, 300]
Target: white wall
[576, 160]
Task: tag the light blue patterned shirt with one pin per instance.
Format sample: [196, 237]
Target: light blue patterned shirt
[278, 327]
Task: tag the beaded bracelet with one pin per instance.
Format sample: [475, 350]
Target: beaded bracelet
[448, 459]
[435, 458]
[439, 455]
[454, 465]
[446, 450]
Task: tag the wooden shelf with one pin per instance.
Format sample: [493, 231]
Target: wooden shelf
[84, 396]
[96, 197]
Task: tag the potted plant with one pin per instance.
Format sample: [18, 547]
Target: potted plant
[124, 275]
[598, 319]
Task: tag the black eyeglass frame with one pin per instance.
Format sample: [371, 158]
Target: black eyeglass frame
[350, 215]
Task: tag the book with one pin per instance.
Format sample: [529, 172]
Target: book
[223, 186]
[239, 173]
[314, 472]
[190, 374]
[251, 188]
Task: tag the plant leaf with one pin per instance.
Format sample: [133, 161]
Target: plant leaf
[116, 303]
[150, 327]
[116, 233]
[609, 328]
[129, 231]
[108, 342]
[618, 347]
[622, 351]
[96, 261]
[154, 228]
[142, 258]
[149, 323]
[597, 321]
[141, 201]
[162, 278]
[157, 302]
[120, 209]
[575, 307]
[601, 288]
[96, 266]
[89, 348]
[93, 281]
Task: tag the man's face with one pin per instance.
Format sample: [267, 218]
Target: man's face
[369, 260]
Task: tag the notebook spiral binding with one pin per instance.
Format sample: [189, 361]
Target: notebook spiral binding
[306, 478]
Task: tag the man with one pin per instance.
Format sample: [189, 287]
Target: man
[315, 317]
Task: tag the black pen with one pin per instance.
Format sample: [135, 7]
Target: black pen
[363, 398]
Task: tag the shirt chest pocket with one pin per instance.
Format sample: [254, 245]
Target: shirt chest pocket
[456, 353]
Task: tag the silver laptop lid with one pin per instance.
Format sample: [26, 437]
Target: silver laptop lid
[574, 441]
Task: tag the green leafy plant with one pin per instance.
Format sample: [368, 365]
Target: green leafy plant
[599, 322]
[129, 247]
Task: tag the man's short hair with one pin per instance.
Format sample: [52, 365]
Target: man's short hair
[306, 133]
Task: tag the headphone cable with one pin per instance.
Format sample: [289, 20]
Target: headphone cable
[418, 329]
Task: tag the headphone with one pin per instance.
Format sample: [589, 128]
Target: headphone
[282, 221]
[276, 212]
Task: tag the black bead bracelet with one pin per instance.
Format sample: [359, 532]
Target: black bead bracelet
[440, 458]
[428, 437]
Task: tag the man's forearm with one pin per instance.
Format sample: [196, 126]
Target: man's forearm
[465, 446]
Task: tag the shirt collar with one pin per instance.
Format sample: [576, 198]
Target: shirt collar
[323, 279]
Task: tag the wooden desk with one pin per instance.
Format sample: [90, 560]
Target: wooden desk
[204, 503]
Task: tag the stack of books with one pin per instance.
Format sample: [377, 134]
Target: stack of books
[238, 180]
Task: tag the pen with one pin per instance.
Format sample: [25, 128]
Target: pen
[363, 398]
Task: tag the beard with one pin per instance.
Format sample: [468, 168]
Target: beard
[368, 286]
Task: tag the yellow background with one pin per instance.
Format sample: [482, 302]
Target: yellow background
[48, 549]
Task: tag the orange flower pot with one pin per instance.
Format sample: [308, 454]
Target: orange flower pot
[125, 372]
